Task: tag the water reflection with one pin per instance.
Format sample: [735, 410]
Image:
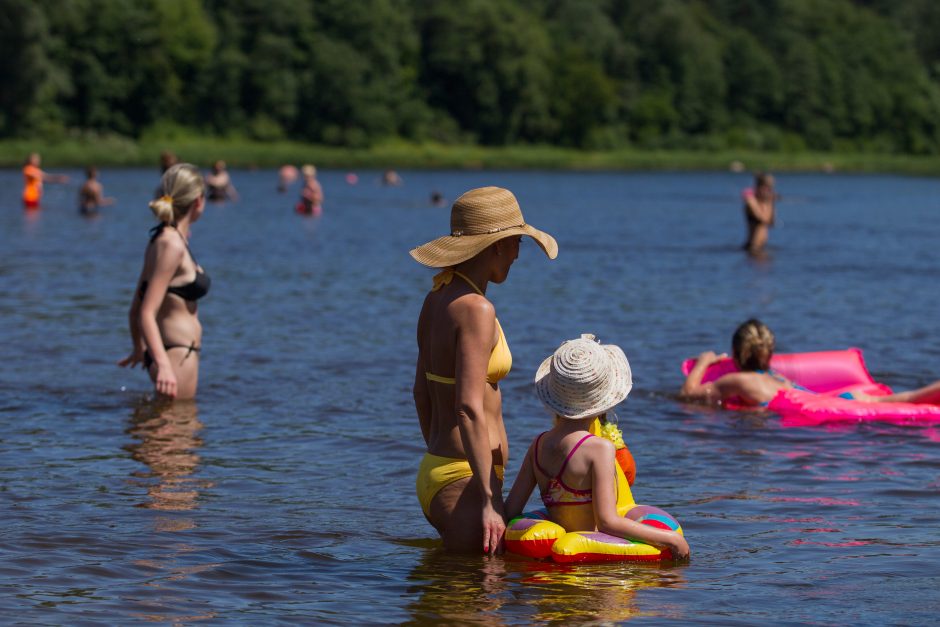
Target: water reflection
[168, 443]
[460, 588]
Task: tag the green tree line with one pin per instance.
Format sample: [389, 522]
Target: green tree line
[595, 74]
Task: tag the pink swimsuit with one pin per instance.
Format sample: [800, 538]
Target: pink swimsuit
[557, 493]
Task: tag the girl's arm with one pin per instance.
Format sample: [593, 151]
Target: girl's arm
[522, 487]
[168, 257]
[605, 506]
[475, 337]
[693, 389]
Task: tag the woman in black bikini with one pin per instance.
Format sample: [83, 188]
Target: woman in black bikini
[164, 325]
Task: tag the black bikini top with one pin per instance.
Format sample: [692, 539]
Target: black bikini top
[191, 291]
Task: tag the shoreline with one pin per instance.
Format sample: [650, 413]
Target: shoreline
[113, 151]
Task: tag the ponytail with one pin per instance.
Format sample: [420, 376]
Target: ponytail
[162, 207]
[181, 186]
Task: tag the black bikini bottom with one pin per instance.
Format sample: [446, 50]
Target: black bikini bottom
[148, 358]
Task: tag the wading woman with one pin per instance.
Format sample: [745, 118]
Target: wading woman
[165, 330]
[462, 355]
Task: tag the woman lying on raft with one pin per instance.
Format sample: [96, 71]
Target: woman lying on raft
[577, 473]
[756, 384]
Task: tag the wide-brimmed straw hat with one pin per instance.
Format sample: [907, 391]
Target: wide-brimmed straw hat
[583, 378]
[477, 219]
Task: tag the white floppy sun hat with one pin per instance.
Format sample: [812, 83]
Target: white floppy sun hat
[583, 378]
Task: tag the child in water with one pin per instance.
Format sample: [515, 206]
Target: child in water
[311, 196]
[577, 473]
[91, 195]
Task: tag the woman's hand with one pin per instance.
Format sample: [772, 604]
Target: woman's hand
[166, 381]
[135, 357]
[494, 528]
[709, 357]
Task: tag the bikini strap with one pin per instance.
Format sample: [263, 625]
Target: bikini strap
[561, 471]
[445, 276]
[188, 250]
[538, 442]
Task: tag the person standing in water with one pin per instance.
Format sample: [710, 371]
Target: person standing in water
[33, 179]
[311, 196]
[759, 212]
[219, 184]
[91, 195]
[286, 176]
[462, 356]
[166, 335]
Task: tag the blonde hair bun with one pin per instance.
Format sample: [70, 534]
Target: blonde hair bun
[162, 207]
[181, 186]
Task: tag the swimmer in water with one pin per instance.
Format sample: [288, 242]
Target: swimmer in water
[33, 179]
[91, 195]
[166, 335]
[219, 186]
[759, 212]
[286, 176]
[756, 384]
[311, 196]
[391, 178]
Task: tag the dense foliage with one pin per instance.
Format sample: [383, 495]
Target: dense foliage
[712, 74]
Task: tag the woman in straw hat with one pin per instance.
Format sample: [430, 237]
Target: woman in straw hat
[462, 355]
[576, 472]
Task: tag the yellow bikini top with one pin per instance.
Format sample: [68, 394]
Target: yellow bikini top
[500, 358]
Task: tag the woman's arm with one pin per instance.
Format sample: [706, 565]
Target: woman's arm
[693, 389]
[421, 391]
[603, 482]
[757, 210]
[422, 401]
[48, 177]
[133, 322]
[521, 488]
[476, 330]
[168, 257]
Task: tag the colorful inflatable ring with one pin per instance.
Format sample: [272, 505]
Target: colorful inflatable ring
[533, 535]
[829, 376]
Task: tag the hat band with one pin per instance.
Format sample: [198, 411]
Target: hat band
[458, 233]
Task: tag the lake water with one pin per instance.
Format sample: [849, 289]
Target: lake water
[285, 493]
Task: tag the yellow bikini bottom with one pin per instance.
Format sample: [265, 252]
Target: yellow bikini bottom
[436, 472]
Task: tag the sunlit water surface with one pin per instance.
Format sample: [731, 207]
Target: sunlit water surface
[285, 493]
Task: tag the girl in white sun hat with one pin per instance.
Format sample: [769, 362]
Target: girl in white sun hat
[576, 472]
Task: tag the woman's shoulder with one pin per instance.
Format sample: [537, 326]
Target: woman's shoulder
[168, 241]
[472, 309]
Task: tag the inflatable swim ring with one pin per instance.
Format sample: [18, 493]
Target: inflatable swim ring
[827, 374]
[533, 535]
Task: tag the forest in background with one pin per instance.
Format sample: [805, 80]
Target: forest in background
[597, 75]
